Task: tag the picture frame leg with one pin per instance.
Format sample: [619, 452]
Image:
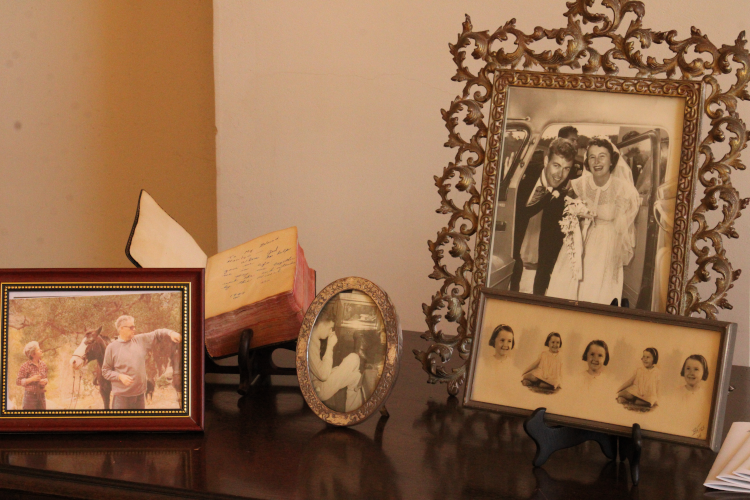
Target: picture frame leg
[551, 439]
[245, 362]
[380, 428]
[630, 450]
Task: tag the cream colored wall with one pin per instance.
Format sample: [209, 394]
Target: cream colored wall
[328, 117]
[98, 100]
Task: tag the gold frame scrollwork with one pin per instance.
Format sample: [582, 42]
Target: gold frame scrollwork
[581, 62]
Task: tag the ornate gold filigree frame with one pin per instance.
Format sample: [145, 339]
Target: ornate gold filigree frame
[578, 54]
[392, 353]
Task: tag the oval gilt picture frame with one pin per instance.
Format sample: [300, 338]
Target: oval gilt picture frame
[348, 352]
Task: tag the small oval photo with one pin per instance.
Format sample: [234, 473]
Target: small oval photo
[348, 351]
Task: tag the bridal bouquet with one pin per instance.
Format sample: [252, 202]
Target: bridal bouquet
[574, 224]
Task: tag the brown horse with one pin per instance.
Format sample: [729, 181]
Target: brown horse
[163, 354]
[92, 348]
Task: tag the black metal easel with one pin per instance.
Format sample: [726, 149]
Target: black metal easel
[253, 363]
[551, 439]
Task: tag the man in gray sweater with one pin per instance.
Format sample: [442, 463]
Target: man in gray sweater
[125, 363]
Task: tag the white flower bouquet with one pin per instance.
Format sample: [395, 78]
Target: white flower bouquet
[574, 224]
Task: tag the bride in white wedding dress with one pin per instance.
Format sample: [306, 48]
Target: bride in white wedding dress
[592, 269]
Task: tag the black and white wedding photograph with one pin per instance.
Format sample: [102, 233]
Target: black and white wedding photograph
[346, 351]
[587, 184]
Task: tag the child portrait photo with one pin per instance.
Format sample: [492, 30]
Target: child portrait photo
[595, 365]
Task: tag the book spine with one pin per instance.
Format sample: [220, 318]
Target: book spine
[273, 331]
[300, 281]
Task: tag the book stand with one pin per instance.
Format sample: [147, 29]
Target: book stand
[550, 439]
[259, 361]
[253, 363]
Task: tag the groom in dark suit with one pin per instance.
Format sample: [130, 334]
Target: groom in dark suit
[542, 190]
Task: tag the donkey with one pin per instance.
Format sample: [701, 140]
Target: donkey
[92, 348]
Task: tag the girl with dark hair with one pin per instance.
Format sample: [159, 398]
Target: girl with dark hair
[643, 388]
[596, 356]
[546, 372]
[503, 340]
[590, 263]
[694, 371]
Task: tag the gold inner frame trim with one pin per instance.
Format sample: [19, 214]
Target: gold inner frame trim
[186, 290]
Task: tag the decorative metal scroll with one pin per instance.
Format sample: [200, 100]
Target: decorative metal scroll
[578, 55]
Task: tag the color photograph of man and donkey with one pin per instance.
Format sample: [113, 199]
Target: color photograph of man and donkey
[95, 350]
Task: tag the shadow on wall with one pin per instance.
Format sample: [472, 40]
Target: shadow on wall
[104, 98]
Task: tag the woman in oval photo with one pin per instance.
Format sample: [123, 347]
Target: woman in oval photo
[328, 379]
[346, 351]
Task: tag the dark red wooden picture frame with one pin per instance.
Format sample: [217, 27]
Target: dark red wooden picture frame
[189, 418]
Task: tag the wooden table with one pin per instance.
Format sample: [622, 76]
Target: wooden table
[271, 446]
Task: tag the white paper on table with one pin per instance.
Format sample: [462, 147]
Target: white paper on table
[740, 457]
[738, 481]
[742, 471]
[737, 437]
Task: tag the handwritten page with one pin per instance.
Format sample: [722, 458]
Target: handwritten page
[251, 272]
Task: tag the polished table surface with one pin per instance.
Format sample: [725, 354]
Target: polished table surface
[269, 445]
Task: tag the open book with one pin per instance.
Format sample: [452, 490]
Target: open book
[264, 284]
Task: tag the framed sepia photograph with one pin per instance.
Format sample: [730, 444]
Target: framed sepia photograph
[602, 368]
[349, 350]
[590, 175]
[102, 349]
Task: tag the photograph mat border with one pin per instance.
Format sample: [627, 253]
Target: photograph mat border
[694, 94]
[392, 358]
[184, 288]
[721, 381]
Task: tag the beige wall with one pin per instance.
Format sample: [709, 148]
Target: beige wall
[98, 100]
[328, 118]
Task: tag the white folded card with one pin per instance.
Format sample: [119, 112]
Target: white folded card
[742, 472]
[734, 454]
